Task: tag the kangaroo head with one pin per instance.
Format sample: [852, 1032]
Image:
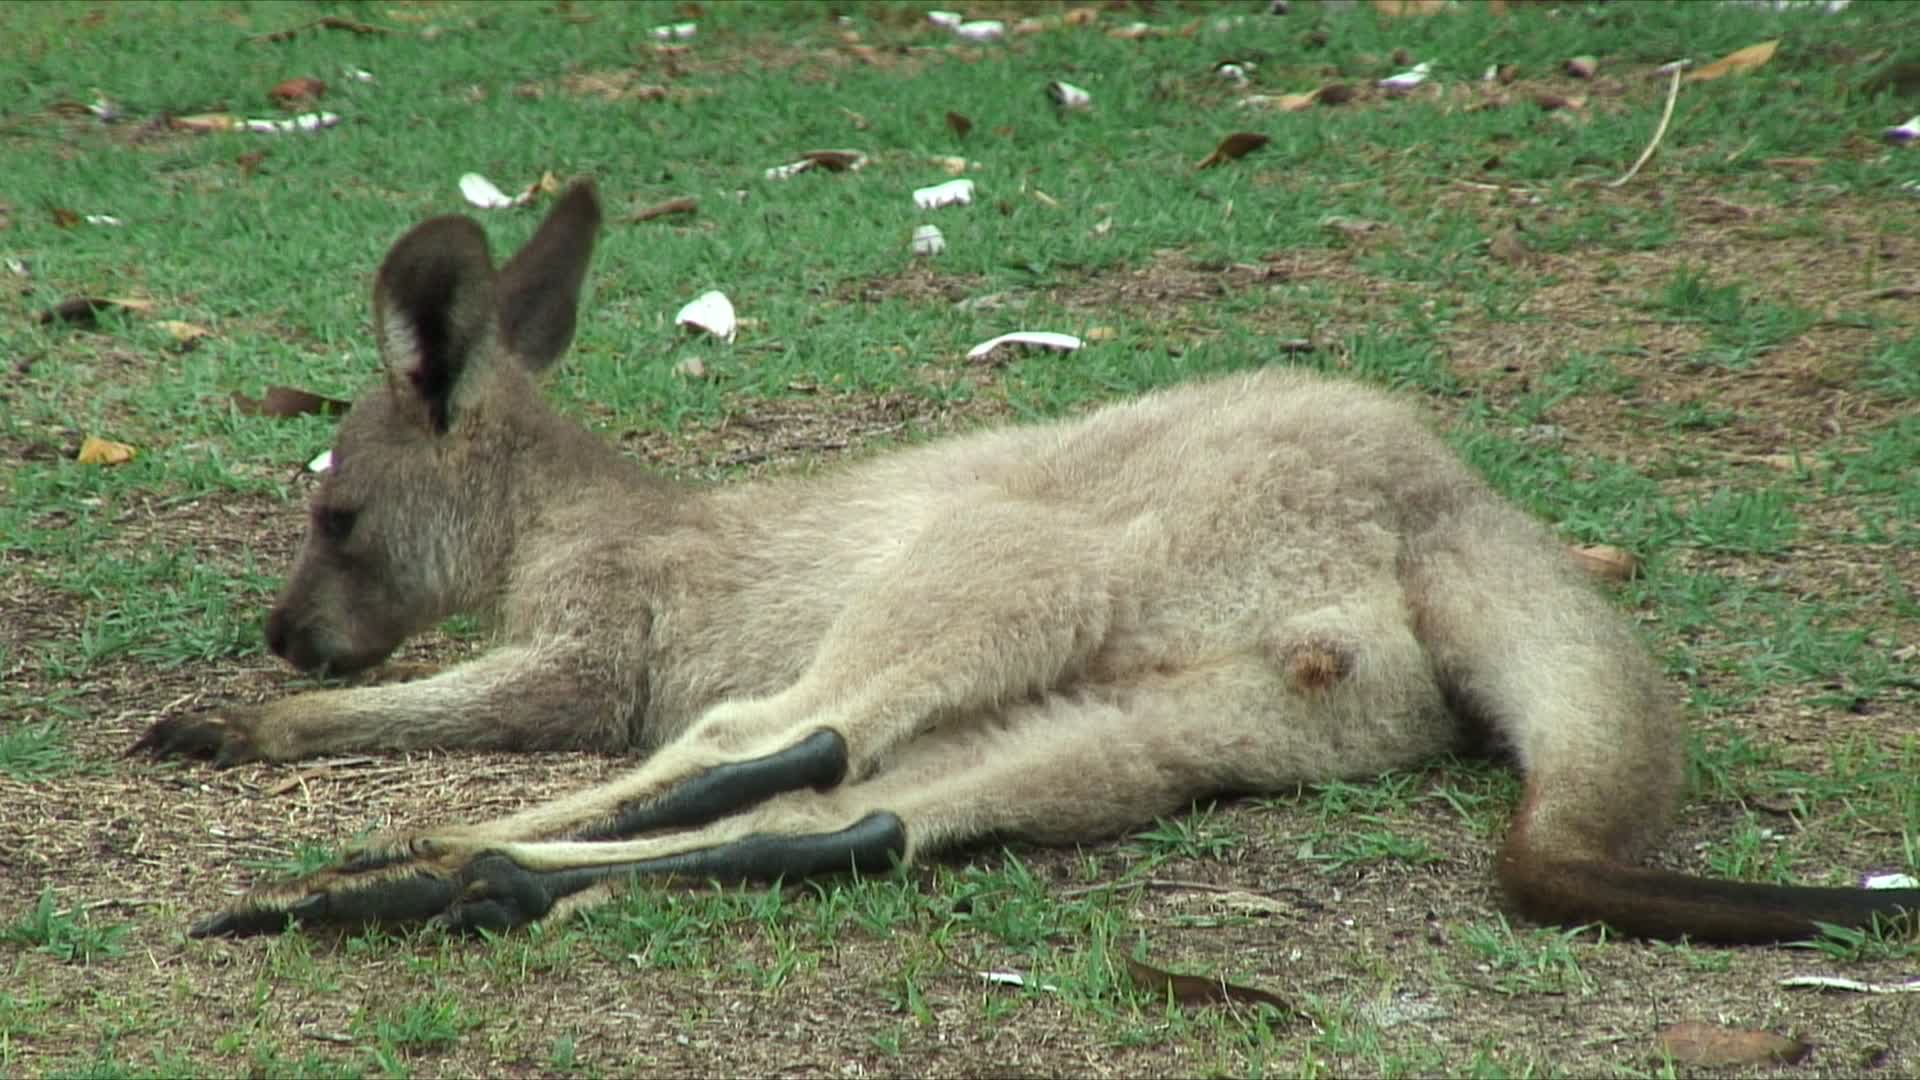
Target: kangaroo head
[416, 518]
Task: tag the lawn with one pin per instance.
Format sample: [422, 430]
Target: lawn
[1710, 366]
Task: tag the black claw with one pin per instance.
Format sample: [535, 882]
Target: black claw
[242, 922]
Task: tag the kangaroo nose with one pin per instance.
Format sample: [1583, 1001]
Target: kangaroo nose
[277, 632]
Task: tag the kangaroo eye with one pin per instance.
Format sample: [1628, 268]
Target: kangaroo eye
[334, 523]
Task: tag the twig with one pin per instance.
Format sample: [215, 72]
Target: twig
[1162, 883]
[1666, 114]
[317, 1035]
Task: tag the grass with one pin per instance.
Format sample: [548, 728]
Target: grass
[1711, 366]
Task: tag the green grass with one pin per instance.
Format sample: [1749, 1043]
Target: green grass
[1635, 383]
[66, 935]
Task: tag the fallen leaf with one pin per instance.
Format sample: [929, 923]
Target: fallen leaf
[98, 451]
[958, 124]
[685, 204]
[1583, 67]
[285, 402]
[1032, 339]
[249, 162]
[1606, 562]
[1196, 990]
[1551, 102]
[1351, 227]
[1069, 96]
[1334, 94]
[64, 218]
[85, 310]
[1233, 147]
[311, 121]
[1081, 16]
[1834, 982]
[297, 90]
[1296, 102]
[621, 85]
[1712, 1046]
[837, 160]
[327, 22]
[712, 312]
[1737, 61]
[1509, 246]
[951, 193]
[204, 122]
[185, 333]
[691, 368]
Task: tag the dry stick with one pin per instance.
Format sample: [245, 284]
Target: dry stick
[1673, 94]
[1170, 885]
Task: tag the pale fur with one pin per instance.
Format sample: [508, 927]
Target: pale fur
[1055, 631]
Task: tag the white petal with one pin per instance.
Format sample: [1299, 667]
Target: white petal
[1890, 881]
[1036, 339]
[951, 193]
[928, 241]
[790, 170]
[712, 312]
[322, 463]
[982, 30]
[947, 19]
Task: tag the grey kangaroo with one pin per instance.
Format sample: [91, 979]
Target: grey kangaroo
[1051, 632]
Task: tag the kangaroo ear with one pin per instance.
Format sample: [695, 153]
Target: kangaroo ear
[539, 287]
[433, 311]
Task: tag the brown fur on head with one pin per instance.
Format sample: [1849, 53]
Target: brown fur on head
[414, 520]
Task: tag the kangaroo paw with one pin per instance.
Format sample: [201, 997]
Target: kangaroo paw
[223, 739]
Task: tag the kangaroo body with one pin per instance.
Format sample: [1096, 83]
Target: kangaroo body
[1054, 632]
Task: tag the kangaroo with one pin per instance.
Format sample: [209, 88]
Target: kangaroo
[1052, 632]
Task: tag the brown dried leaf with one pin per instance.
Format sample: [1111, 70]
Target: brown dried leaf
[249, 162]
[1410, 7]
[1081, 16]
[85, 310]
[283, 402]
[64, 218]
[685, 204]
[327, 22]
[836, 160]
[1509, 246]
[1710, 1046]
[98, 451]
[1605, 562]
[1233, 147]
[1735, 62]
[1296, 102]
[1334, 94]
[958, 124]
[1583, 67]
[297, 91]
[1197, 990]
[1551, 102]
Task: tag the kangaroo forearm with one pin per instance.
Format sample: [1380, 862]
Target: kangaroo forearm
[512, 699]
